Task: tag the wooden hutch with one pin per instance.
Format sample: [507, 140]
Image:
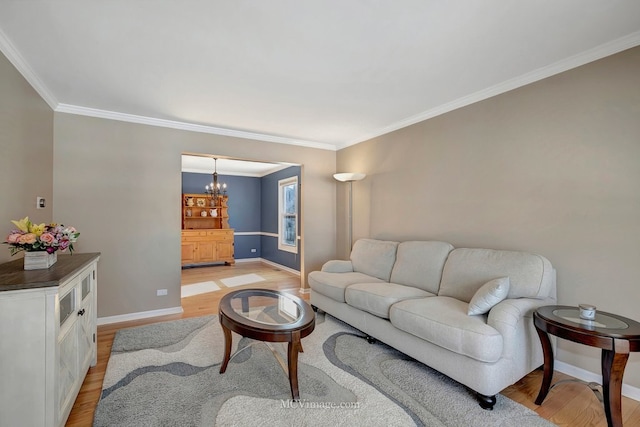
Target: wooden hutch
[206, 236]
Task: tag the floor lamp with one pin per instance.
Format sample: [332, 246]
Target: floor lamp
[350, 177]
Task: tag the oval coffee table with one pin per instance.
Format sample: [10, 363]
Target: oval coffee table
[615, 335]
[270, 316]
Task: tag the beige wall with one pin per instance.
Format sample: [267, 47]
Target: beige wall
[26, 153]
[553, 168]
[120, 185]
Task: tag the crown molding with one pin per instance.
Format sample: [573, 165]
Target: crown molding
[132, 118]
[604, 50]
[23, 68]
[12, 54]
[599, 52]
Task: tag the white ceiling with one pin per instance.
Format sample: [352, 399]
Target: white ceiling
[320, 73]
[225, 166]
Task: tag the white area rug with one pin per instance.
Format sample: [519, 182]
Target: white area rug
[245, 279]
[198, 288]
[167, 374]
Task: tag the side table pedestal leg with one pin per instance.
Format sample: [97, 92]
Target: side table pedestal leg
[548, 366]
[613, 364]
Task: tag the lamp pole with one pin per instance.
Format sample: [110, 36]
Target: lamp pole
[350, 177]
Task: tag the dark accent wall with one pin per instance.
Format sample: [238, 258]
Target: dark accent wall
[269, 218]
[253, 208]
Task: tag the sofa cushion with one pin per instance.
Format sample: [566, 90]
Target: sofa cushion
[489, 294]
[377, 298]
[443, 321]
[332, 285]
[420, 264]
[466, 270]
[374, 257]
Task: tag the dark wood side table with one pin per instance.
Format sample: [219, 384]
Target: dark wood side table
[617, 336]
[269, 316]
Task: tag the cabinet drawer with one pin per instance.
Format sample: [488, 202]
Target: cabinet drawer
[193, 233]
[220, 236]
[186, 239]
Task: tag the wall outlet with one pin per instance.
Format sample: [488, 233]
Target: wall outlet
[253, 251]
[41, 203]
[161, 292]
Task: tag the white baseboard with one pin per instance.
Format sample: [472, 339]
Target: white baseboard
[275, 264]
[248, 260]
[281, 267]
[588, 376]
[138, 316]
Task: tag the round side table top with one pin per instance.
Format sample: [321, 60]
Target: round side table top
[605, 324]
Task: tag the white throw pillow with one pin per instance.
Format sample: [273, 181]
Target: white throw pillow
[488, 295]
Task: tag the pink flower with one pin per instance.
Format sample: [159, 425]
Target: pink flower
[34, 237]
[47, 238]
[14, 238]
[27, 239]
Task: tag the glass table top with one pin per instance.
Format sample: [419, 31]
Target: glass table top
[266, 307]
[601, 320]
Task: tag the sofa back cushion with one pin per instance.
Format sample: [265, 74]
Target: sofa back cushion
[466, 270]
[420, 264]
[374, 257]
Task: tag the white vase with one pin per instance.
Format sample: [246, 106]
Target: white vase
[39, 260]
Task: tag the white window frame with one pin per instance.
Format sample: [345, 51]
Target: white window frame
[281, 214]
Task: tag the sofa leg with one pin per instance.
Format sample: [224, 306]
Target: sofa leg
[486, 402]
[371, 340]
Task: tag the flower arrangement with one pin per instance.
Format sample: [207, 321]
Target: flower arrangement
[30, 237]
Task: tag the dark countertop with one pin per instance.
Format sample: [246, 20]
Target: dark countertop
[14, 277]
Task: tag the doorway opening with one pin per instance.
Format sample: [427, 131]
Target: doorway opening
[233, 237]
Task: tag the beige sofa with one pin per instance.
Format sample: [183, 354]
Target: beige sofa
[427, 299]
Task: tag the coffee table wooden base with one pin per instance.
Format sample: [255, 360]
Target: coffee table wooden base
[239, 321]
[294, 347]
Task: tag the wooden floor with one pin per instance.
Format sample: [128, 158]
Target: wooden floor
[569, 404]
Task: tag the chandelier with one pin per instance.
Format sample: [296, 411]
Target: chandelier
[214, 190]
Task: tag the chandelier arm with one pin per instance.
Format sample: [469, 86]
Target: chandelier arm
[214, 192]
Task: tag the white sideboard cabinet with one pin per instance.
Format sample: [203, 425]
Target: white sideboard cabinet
[47, 338]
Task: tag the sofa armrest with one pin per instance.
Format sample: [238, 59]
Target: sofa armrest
[512, 317]
[337, 266]
[505, 316]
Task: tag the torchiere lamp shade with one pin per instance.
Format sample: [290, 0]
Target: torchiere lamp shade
[349, 176]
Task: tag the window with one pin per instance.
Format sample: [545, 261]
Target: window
[288, 214]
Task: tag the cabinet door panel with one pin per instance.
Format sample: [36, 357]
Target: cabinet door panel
[86, 286]
[207, 251]
[85, 322]
[67, 368]
[67, 306]
[188, 252]
[225, 250]
[85, 337]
